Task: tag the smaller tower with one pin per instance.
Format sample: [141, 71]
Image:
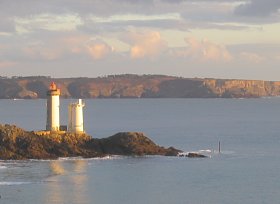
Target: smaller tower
[75, 117]
[53, 108]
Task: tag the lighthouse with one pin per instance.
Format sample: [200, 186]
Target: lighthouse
[75, 117]
[53, 108]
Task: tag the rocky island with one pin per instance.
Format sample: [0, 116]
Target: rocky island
[18, 144]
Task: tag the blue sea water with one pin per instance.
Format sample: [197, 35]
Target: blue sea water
[246, 171]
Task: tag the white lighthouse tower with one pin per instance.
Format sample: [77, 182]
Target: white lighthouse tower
[53, 108]
[75, 117]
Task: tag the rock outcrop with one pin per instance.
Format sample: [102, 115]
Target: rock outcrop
[134, 86]
[18, 144]
[131, 143]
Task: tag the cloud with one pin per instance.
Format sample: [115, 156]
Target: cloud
[85, 7]
[6, 64]
[74, 43]
[203, 50]
[256, 52]
[54, 46]
[145, 44]
[252, 57]
[6, 24]
[49, 22]
[98, 49]
[258, 8]
[110, 15]
[277, 56]
[195, 1]
[40, 51]
[64, 33]
[117, 23]
[103, 17]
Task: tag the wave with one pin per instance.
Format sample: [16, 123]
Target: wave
[206, 150]
[11, 183]
[108, 157]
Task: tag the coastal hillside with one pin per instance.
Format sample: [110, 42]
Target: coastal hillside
[136, 86]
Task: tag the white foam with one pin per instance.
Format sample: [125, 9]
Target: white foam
[183, 154]
[69, 158]
[205, 150]
[10, 183]
[108, 157]
[3, 167]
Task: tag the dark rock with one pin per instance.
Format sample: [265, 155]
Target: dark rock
[131, 143]
[171, 151]
[195, 155]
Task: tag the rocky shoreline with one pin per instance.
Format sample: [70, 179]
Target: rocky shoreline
[18, 144]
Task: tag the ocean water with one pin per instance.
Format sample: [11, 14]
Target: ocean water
[246, 171]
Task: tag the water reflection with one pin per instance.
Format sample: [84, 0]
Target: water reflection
[67, 176]
[80, 166]
[56, 167]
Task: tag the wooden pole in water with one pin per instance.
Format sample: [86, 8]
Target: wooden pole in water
[219, 147]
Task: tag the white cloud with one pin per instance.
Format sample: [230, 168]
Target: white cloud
[145, 44]
[252, 57]
[41, 51]
[74, 43]
[6, 64]
[203, 50]
[49, 22]
[134, 17]
[98, 49]
[55, 47]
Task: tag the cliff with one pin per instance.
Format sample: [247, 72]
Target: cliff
[18, 144]
[134, 86]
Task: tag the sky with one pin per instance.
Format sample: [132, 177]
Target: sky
[229, 39]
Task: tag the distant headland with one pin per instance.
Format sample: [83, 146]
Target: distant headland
[137, 86]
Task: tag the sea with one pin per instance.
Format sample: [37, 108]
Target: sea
[247, 170]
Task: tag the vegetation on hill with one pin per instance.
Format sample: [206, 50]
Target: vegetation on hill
[135, 86]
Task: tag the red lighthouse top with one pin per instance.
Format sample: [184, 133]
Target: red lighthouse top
[53, 90]
[53, 86]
